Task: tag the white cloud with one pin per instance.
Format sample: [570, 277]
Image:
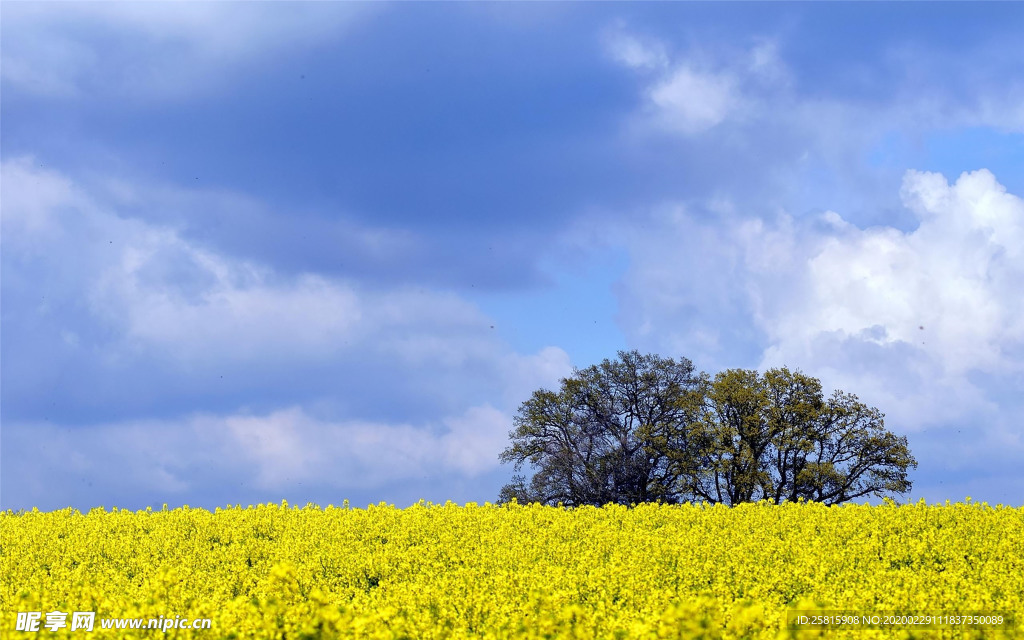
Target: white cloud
[634, 52]
[474, 439]
[766, 63]
[689, 95]
[167, 301]
[274, 451]
[310, 318]
[690, 101]
[803, 145]
[30, 195]
[902, 319]
[174, 48]
[287, 446]
[683, 290]
[49, 69]
[525, 374]
[162, 292]
[955, 275]
[974, 85]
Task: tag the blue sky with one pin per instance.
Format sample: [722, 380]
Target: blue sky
[323, 251]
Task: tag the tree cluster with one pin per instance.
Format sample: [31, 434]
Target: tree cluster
[645, 428]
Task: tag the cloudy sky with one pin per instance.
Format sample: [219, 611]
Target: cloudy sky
[254, 252]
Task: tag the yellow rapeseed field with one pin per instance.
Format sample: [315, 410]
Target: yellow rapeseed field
[514, 571]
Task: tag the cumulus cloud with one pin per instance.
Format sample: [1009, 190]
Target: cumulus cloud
[165, 301]
[274, 452]
[688, 95]
[797, 141]
[691, 101]
[28, 212]
[923, 323]
[947, 287]
[288, 446]
[766, 63]
[633, 51]
[158, 290]
[907, 320]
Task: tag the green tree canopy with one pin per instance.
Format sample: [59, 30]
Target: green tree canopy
[774, 437]
[594, 441]
[644, 428]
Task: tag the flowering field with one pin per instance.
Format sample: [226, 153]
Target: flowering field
[445, 571]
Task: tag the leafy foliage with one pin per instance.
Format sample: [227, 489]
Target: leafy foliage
[644, 428]
[608, 435]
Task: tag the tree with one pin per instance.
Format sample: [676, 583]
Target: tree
[776, 438]
[644, 428]
[605, 436]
